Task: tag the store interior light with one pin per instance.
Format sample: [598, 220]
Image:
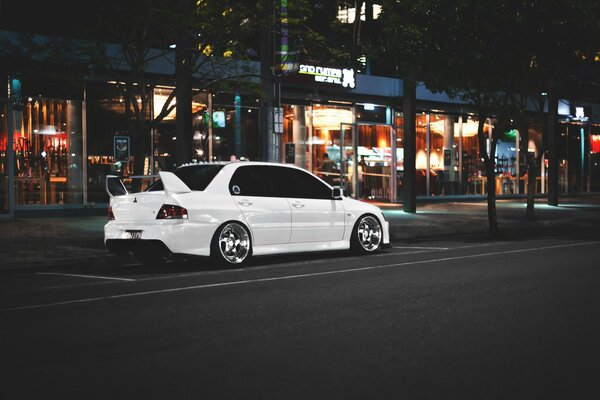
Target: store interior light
[331, 118]
[469, 127]
[160, 98]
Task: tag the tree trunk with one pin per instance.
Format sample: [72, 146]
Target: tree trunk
[553, 136]
[531, 175]
[490, 174]
[410, 147]
[491, 200]
[184, 146]
[530, 163]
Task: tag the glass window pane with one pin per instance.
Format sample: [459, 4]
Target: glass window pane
[48, 153]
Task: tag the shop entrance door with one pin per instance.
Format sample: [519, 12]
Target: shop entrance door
[369, 163]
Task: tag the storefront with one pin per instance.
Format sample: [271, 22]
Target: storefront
[63, 149]
[47, 154]
[341, 146]
[364, 142]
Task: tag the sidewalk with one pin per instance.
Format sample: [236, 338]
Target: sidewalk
[51, 241]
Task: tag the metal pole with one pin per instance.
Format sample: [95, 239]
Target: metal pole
[589, 176]
[394, 167]
[210, 127]
[152, 132]
[84, 143]
[582, 138]
[343, 161]
[428, 153]
[355, 161]
[517, 166]
[11, 159]
[543, 174]
[460, 154]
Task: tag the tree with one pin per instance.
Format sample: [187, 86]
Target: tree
[486, 52]
[210, 40]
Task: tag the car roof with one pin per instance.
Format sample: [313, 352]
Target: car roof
[239, 163]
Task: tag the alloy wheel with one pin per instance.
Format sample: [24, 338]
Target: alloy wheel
[234, 243]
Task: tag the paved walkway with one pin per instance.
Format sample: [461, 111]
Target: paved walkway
[51, 241]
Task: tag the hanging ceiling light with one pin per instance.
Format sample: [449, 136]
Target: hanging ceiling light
[469, 127]
[331, 118]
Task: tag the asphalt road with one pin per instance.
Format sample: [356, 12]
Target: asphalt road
[461, 318]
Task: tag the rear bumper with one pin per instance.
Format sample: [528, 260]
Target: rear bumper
[154, 247]
[163, 237]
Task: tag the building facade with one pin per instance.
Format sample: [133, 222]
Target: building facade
[58, 146]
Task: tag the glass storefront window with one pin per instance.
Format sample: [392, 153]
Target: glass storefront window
[374, 162]
[443, 157]
[398, 122]
[235, 134]
[578, 157]
[472, 172]
[595, 158]
[106, 118]
[563, 157]
[319, 138]
[4, 192]
[48, 153]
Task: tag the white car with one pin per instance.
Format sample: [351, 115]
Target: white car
[231, 211]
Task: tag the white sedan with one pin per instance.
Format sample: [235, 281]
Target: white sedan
[231, 211]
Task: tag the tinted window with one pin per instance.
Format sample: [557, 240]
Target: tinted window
[301, 184]
[196, 177]
[272, 181]
[252, 181]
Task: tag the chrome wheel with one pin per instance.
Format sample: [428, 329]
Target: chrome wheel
[234, 243]
[369, 233]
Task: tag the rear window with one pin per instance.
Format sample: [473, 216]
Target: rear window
[196, 177]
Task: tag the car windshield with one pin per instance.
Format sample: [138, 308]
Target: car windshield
[196, 177]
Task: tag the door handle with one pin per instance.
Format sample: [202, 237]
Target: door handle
[245, 203]
[298, 205]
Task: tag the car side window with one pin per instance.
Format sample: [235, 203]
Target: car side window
[316, 189]
[296, 183]
[251, 181]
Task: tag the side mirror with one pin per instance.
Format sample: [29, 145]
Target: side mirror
[337, 193]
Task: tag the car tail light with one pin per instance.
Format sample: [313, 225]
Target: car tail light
[111, 216]
[170, 211]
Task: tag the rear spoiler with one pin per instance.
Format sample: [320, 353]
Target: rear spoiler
[171, 183]
[114, 186]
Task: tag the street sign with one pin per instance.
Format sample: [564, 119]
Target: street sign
[121, 149]
[277, 119]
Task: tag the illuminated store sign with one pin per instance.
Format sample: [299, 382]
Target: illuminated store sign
[343, 77]
[580, 114]
[595, 143]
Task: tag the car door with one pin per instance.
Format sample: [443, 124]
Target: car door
[268, 216]
[316, 216]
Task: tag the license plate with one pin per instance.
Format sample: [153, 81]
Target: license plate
[133, 234]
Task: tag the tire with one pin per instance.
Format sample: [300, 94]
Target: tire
[367, 235]
[231, 245]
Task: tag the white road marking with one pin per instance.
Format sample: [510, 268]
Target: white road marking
[87, 276]
[287, 277]
[417, 247]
